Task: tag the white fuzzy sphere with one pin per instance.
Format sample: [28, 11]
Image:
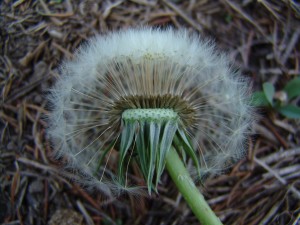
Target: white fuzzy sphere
[147, 62]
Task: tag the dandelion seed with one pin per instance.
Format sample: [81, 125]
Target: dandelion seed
[141, 92]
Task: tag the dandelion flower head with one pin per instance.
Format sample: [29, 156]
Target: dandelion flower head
[139, 92]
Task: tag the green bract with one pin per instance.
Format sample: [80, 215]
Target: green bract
[150, 134]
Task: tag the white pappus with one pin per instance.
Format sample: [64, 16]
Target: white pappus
[140, 91]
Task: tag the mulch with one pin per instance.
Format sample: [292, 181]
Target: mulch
[260, 37]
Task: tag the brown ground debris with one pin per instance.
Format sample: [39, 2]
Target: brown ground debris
[262, 39]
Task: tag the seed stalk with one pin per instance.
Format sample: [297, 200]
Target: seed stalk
[188, 189]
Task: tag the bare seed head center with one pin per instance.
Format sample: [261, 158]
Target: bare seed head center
[153, 108]
[150, 115]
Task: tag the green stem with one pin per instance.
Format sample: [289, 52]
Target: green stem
[190, 192]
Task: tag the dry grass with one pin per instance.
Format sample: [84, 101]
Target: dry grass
[261, 37]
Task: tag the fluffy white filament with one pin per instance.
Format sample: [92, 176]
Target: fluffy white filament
[146, 62]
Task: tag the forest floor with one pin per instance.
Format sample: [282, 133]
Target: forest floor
[261, 38]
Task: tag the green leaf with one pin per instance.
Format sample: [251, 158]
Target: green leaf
[269, 91]
[165, 145]
[292, 88]
[140, 146]
[128, 134]
[104, 152]
[290, 111]
[228, 18]
[155, 131]
[182, 140]
[259, 99]
[56, 1]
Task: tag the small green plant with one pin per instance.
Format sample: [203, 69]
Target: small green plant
[281, 101]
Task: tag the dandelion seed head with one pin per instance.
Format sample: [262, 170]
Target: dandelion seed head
[136, 92]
